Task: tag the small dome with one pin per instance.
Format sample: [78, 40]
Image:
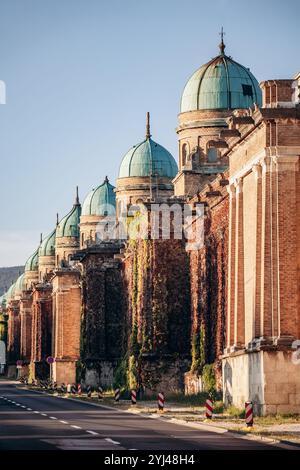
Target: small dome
[47, 247]
[220, 84]
[20, 284]
[32, 263]
[100, 201]
[146, 159]
[11, 292]
[69, 224]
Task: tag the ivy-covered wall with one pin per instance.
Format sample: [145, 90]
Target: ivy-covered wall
[156, 280]
[208, 268]
[102, 318]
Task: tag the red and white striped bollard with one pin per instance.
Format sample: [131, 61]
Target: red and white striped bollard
[117, 395]
[79, 391]
[161, 401]
[249, 413]
[208, 408]
[133, 397]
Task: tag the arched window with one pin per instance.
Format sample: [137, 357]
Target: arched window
[184, 153]
[212, 155]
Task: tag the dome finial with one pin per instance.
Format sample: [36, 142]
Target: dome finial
[148, 134]
[57, 218]
[77, 203]
[41, 238]
[106, 180]
[222, 45]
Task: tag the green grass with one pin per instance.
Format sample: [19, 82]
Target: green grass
[277, 419]
[235, 412]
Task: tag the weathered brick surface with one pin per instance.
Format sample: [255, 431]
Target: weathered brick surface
[66, 324]
[14, 330]
[26, 327]
[42, 328]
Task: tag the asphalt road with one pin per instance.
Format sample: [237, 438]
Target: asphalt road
[36, 421]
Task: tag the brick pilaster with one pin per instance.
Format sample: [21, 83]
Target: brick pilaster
[26, 328]
[239, 304]
[266, 263]
[67, 318]
[231, 266]
[288, 315]
[257, 266]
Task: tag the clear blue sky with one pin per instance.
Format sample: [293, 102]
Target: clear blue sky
[81, 74]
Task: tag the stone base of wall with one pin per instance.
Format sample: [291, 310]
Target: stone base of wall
[24, 372]
[165, 375]
[100, 374]
[12, 372]
[269, 379]
[192, 383]
[64, 371]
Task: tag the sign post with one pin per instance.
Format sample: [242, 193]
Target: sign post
[2, 356]
[50, 361]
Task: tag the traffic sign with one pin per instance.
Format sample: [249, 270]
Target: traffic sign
[50, 359]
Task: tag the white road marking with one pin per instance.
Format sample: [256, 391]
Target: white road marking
[18, 404]
[22, 406]
[52, 417]
[44, 414]
[112, 441]
[75, 427]
[37, 412]
[29, 409]
[64, 422]
[93, 433]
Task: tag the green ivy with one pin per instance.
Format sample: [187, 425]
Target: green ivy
[120, 374]
[198, 351]
[208, 377]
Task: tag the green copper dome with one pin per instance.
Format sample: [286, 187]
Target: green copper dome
[100, 201]
[47, 247]
[32, 263]
[20, 283]
[11, 292]
[69, 224]
[148, 158]
[220, 84]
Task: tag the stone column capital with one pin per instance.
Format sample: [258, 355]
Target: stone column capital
[239, 185]
[266, 163]
[257, 170]
[231, 189]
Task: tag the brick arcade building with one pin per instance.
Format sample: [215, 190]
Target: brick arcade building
[149, 312]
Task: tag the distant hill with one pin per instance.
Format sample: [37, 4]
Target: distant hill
[9, 275]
